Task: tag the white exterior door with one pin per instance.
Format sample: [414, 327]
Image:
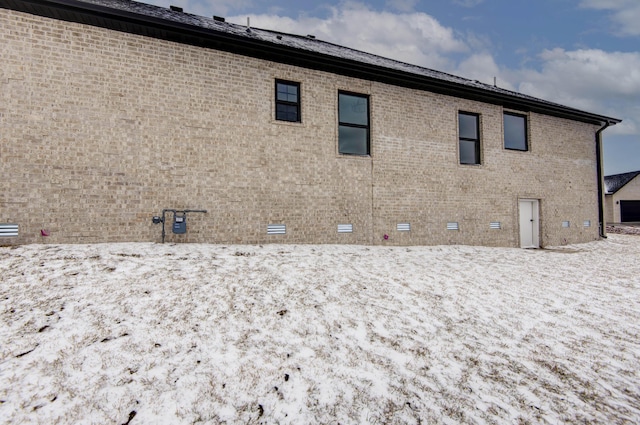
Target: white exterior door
[529, 223]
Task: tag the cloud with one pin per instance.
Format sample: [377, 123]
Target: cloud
[415, 37]
[593, 80]
[594, 72]
[482, 67]
[589, 79]
[625, 14]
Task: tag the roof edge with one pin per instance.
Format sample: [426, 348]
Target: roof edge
[620, 180]
[171, 30]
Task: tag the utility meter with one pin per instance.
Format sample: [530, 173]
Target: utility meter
[179, 224]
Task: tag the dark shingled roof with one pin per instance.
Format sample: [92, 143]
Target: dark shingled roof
[615, 182]
[305, 51]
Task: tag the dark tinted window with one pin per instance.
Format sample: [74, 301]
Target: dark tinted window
[287, 101]
[287, 113]
[468, 126]
[353, 125]
[515, 132]
[353, 140]
[353, 109]
[469, 139]
[287, 92]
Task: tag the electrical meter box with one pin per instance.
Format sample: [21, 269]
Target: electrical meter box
[179, 224]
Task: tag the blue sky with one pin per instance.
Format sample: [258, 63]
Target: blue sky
[580, 53]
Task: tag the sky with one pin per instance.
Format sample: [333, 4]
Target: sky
[580, 53]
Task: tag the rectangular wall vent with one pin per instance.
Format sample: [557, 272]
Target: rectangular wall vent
[8, 229]
[587, 223]
[403, 227]
[453, 225]
[566, 224]
[345, 228]
[276, 229]
[495, 225]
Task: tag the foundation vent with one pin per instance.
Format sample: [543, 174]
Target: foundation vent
[345, 228]
[495, 225]
[276, 229]
[8, 229]
[403, 227]
[453, 225]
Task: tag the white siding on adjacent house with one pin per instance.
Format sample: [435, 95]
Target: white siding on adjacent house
[628, 192]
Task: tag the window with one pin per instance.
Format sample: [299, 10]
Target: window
[515, 132]
[469, 135]
[353, 124]
[287, 101]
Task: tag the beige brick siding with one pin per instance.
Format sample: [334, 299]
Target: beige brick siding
[628, 192]
[101, 130]
[608, 209]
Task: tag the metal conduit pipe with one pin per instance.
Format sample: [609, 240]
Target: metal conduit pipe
[601, 222]
[157, 219]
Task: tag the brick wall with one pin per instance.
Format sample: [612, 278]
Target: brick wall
[101, 130]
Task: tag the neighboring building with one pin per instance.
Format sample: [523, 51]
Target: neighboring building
[114, 110]
[622, 197]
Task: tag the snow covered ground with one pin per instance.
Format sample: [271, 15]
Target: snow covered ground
[182, 334]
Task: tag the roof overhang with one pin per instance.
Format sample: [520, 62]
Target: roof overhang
[150, 26]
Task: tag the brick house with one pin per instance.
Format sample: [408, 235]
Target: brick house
[113, 111]
[622, 197]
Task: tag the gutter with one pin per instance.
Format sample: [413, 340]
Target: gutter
[602, 224]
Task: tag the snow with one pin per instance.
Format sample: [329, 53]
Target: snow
[195, 333]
